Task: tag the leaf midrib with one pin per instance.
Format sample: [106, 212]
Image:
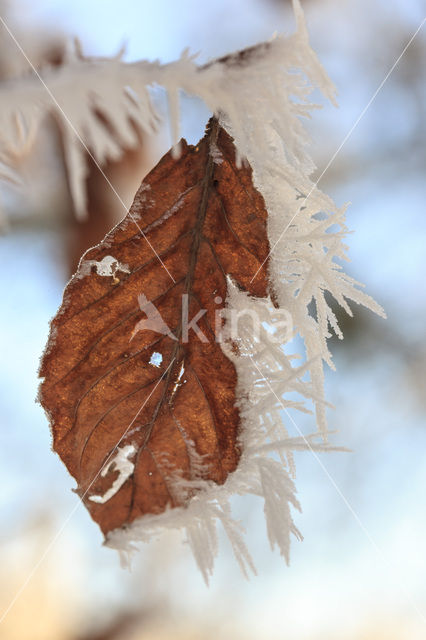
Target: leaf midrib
[189, 280]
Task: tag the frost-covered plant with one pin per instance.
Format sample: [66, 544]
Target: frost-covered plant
[260, 95]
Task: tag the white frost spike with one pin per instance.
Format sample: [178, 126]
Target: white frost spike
[108, 266]
[121, 463]
[77, 168]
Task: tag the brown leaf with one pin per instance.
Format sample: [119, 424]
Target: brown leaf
[125, 391]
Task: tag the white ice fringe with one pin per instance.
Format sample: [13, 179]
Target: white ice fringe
[102, 103]
[261, 403]
[260, 94]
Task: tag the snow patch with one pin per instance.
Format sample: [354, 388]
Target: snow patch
[156, 359]
[121, 463]
[108, 266]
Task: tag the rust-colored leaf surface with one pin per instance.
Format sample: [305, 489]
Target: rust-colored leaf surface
[135, 394]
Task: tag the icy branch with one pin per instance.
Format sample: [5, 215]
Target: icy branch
[101, 103]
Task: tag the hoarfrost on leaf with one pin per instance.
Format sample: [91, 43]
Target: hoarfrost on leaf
[261, 95]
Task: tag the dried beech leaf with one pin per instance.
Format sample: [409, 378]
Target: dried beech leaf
[134, 402]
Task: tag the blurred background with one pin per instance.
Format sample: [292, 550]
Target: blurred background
[360, 572]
